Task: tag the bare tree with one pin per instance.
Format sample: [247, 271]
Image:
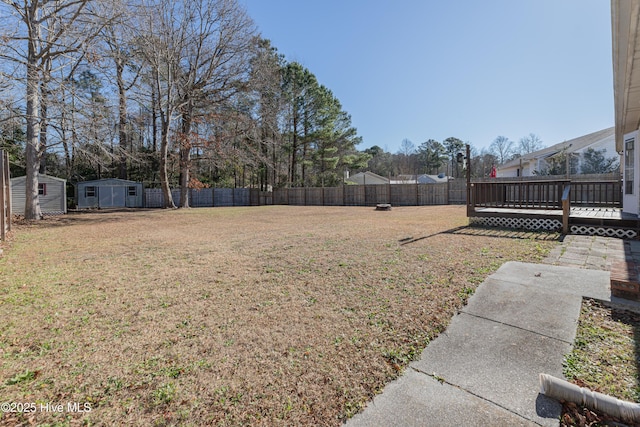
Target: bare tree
[117, 41]
[502, 148]
[216, 68]
[265, 81]
[529, 144]
[196, 51]
[44, 31]
[407, 159]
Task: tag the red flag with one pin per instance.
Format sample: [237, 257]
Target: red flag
[493, 173]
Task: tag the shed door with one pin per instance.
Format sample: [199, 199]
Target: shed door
[112, 197]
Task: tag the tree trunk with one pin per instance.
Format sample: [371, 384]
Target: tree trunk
[154, 120]
[185, 159]
[44, 115]
[164, 174]
[122, 123]
[294, 148]
[32, 150]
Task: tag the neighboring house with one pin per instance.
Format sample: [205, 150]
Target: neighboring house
[433, 179]
[367, 178]
[536, 162]
[52, 195]
[403, 179]
[625, 31]
[419, 179]
[109, 193]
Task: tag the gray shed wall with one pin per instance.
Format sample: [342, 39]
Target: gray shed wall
[53, 202]
[110, 193]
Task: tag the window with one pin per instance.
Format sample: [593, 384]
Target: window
[90, 191]
[42, 189]
[132, 190]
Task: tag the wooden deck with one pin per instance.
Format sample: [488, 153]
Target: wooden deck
[570, 204]
[576, 212]
[606, 221]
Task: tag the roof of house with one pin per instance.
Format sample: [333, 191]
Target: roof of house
[571, 146]
[423, 179]
[367, 174]
[625, 20]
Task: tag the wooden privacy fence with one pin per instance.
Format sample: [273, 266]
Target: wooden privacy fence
[371, 195]
[453, 192]
[5, 196]
[206, 197]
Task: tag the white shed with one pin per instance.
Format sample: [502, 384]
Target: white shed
[110, 193]
[52, 194]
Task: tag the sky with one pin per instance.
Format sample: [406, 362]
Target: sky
[432, 69]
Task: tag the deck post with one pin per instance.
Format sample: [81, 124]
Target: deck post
[470, 207]
[566, 208]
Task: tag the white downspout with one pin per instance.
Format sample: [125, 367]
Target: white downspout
[558, 389]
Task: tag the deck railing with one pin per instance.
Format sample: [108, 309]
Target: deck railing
[541, 194]
[597, 193]
[518, 194]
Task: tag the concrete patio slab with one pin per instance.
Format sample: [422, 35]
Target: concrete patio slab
[419, 400]
[499, 362]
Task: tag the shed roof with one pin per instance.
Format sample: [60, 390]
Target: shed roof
[24, 177]
[110, 180]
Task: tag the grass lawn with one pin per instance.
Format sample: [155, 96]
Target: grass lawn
[605, 358]
[230, 316]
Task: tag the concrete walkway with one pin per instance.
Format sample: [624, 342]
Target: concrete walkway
[521, 321]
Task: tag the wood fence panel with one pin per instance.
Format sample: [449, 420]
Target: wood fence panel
[333, 196]
[432, 194]
[281, 196]
[200, 198]
[314, 196]
[354, 195]
[254, 196]
[153, 198]
[297, 196]
[457, 192]
[223, 197]
[376, 194]
[403, 194]
[241, 197]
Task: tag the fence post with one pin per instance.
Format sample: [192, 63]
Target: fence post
[9, 202]
[2, 201]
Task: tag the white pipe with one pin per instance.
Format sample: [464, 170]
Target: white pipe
[558, 389]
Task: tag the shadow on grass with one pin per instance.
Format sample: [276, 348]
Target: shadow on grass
[84, 217]
[490, 232]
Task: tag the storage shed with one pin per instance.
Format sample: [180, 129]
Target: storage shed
[52, 194]
[110, 193]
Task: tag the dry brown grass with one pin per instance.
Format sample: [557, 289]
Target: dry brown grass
[605, 358]
[262, 316]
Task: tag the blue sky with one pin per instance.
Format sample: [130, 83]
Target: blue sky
[421, 69]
